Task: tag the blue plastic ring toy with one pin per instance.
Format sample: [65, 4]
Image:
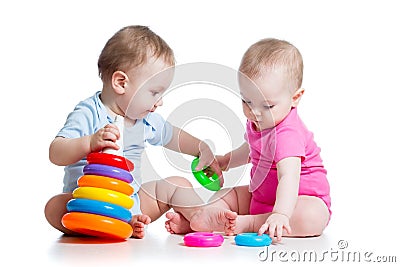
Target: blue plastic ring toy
[253, 240]
[99, 208]
[108, 171]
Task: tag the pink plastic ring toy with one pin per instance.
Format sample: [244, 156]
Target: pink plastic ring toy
[203, 239]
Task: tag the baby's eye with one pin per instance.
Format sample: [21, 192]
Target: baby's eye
[155, 93]
[246, 102]
[269, 106]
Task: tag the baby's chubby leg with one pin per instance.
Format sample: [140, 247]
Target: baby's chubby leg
[309, 218]
[221, 214]
[55, 209]
[159, 196]
[218, 215]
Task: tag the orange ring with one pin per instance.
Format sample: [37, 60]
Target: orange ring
[106, 183]
[96, 225]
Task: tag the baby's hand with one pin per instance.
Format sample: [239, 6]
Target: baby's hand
[206, 158]
[223, 162]
[274, 225]
[104, 138]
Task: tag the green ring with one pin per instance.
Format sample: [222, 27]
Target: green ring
[211, 183]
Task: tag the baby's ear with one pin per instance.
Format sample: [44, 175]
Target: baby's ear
[118, 82]
[297, 96]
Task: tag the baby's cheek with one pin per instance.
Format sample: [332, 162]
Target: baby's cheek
[247, 111]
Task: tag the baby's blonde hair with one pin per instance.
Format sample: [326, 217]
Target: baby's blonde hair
[272, 53]
[130, 47]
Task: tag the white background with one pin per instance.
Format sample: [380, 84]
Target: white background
[48, 61]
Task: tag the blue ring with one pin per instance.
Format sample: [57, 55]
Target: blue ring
[253, 240]
[100, 208]
[108, 171]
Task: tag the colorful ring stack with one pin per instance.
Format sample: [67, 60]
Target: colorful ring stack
[101, 203]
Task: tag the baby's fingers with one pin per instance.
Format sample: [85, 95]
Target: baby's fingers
[201, 165]
[263, 229]
[272, 228]
[288, 228]
[109, 136]
[111, 132]
[279, 231]
[111, 144]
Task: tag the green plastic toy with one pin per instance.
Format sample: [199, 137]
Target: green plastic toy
[209, 182]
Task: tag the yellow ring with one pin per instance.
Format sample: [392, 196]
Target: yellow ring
[106, 183]
[105, 195]
[96, 225]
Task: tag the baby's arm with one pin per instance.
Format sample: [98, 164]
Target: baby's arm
[184, 142]
[66, 151]
[235, 158]
[286, 197]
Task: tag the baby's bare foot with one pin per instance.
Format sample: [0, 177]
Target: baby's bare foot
[214, 219]
[138, 223]
[177, 224]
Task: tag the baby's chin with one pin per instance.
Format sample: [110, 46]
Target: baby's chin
[143, 115]
[260, 126]
[134, 117]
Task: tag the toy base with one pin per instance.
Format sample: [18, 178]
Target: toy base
[97, 225]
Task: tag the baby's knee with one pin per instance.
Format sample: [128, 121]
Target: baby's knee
[179, 181]
[56, 207]
[311, 220]
[311, 224]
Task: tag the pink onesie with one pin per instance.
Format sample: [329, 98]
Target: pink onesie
[290, 138]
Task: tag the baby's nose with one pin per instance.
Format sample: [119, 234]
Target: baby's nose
[256, 112]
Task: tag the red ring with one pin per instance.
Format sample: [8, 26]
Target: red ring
[110, 160]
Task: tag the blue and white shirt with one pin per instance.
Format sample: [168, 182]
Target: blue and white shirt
[90, 115]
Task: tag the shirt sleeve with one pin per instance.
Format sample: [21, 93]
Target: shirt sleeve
[162, 130]
[79, 122]
[289, 143]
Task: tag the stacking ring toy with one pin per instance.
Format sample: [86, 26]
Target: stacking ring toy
[203, 239]
[106, 183]
[97, 225]
[105, 195]
[253, 240]
[109, 171]
[211, 183]
[99, 208]
[102, 201]
[110, 159]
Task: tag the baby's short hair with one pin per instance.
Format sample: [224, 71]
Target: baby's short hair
[272, 53]
[130, 47]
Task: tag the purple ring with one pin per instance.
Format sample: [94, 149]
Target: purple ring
[108, 171]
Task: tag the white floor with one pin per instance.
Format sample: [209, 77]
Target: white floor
[47, 247]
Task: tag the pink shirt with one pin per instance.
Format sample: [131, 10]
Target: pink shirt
[290, 138]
